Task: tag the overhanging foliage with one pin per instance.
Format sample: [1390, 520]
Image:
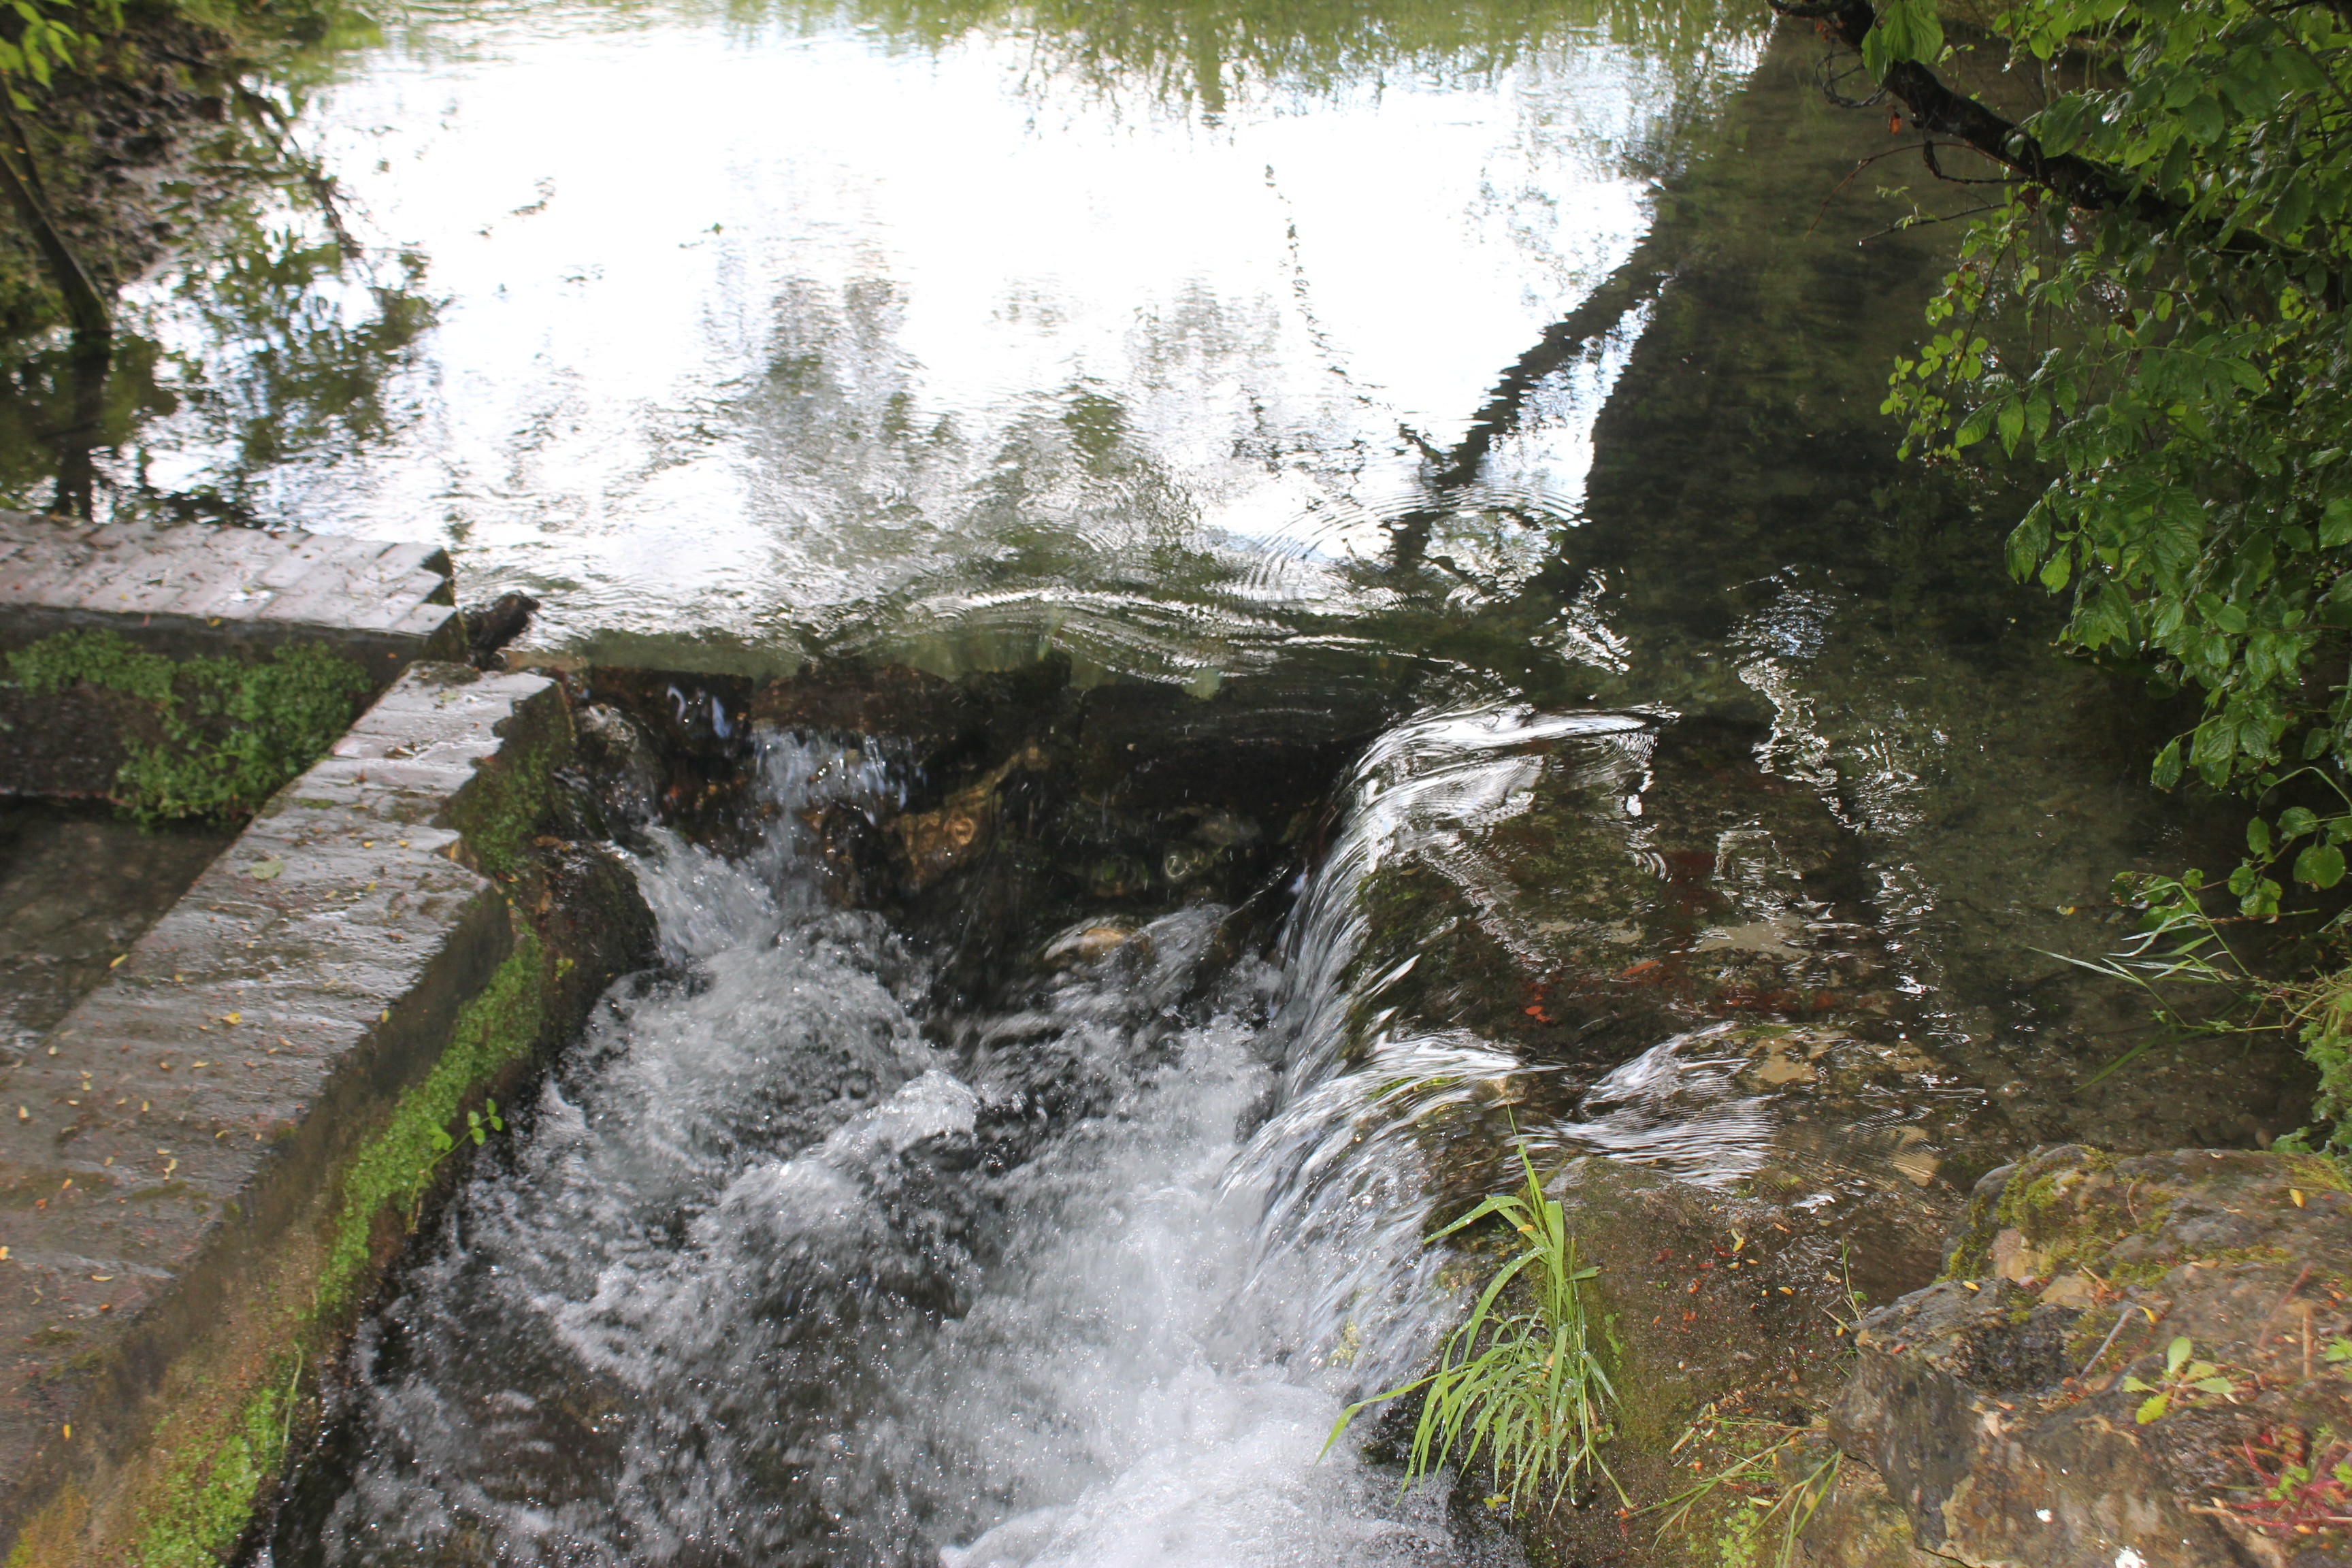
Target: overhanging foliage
[2163, 272]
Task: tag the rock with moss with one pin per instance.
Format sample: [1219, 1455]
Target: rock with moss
[1718, 1317]
[2142, 1360]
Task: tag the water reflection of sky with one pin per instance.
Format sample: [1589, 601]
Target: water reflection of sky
[775, 331]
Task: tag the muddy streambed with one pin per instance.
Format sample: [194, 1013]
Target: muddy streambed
[1366, 615]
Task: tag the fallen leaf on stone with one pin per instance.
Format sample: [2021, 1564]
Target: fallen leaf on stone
[263, 871]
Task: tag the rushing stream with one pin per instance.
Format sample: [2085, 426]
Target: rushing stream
[1489, 394]
[776, 1279]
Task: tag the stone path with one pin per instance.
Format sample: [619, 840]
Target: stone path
[217, 586]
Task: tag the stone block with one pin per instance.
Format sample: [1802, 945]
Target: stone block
[195, 591]
[169, 1155]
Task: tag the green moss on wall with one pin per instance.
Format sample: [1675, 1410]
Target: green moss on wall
[220, 1451]
[207, 1495]
[396, 1167]
[507, 804]
[232, 733]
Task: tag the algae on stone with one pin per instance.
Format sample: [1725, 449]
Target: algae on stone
[396, 1166]
[211, 737]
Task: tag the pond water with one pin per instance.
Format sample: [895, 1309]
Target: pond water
[1510, 374]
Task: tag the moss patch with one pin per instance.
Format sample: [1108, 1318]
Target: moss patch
[227, 735]
[212, 1478]
[394, 1170]
[53, 1535]
[508, 802]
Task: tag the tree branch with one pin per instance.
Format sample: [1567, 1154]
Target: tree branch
[20, 183]
[1935, 107]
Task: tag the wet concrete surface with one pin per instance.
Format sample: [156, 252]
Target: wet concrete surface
[178, 1130]
[78, 886]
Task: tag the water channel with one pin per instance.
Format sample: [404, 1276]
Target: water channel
[1487, 395]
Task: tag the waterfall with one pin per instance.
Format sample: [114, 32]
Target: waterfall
[783, 1272]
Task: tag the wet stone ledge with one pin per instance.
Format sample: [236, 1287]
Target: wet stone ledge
[197, 591]
[2142, 1360]
[196, 1166]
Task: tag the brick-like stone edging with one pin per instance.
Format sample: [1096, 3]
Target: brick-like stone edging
[190, 1164]
[197, 591]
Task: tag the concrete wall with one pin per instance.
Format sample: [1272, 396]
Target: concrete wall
[206, 1166]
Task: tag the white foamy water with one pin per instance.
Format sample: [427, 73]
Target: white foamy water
[775, 1277]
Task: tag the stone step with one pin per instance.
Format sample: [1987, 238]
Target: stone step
[169, 1155]
[196, 591]
[201, 589]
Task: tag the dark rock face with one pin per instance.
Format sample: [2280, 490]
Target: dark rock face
[2038, 1407]
[490, 627]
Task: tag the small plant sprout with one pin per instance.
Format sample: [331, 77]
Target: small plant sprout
[2302, 1483]
[1792, 1508]
[479, 1125]
[2183, 1376]
[1520, 1383]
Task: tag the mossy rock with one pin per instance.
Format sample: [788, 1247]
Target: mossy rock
[2124, 1359]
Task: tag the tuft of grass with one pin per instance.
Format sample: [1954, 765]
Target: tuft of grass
[1520, 1383]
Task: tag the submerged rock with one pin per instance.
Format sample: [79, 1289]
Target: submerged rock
[935, 843]
[2143, 1361]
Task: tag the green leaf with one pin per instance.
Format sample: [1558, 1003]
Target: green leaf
[2335, 523]
[2202, 117]
[2152, 1408]
[2295, 821]
[1905, 30]
[2320, 865]
[2258, 843]
[2059, 126]
[2167, 771]
[2027, 541]
[2176, 1354]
